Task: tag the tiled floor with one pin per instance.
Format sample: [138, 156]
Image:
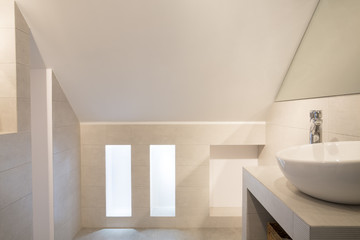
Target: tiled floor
[160, 234]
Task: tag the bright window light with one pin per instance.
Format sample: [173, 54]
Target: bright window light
[118, 180]
[162, 180]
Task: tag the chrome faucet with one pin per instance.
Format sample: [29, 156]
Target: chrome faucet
[315, 126]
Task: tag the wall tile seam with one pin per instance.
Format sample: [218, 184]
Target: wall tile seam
[99, 208]
[175, 123]
[24, 65]
[134, 125]
[226, 217]
[21, 63]
[98, 145]
[77, 173]
[73, 124]
[19, 20]
[82, 184]
[85, 167]
[8, 98]
[59, 134]
[147, 188]
[22, 30]
[100, 188]
[287, 126]
[60, 198]
[71, 200]
[72, 111]
[63, 225]
[62, 101]
[8, 26]
[68, 150]
[136, 165]
[14, 167]
[325, 131]
[58, 127]
[342, 134]
[59, 177]
[148, 144]
[195, 165]
[180, 143]
[192, 188]
[62, 151]
[24, 99]
[13, 202]
[147, 209]
[92, 145]
[18, 199]
[70, 124]
[66, 176]
[8, 133]
[5, 62]
[24, 131]
[57, 100]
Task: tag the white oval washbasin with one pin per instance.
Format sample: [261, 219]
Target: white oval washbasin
[328, 171]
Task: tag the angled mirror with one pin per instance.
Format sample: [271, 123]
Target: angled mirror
[327, 62]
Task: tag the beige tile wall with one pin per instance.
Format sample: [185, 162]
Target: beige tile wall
[15, 148]
[192, 170]
[288, 123]
[66, 147]
[14, 65]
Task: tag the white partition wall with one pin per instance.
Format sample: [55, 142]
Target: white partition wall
[42, 154]
[162, 180]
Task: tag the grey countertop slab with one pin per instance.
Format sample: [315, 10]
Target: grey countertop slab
[314, 212]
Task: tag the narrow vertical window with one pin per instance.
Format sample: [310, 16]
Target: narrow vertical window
[118, 180]
[162, 180]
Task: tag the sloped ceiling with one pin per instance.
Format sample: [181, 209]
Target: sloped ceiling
[168, 60]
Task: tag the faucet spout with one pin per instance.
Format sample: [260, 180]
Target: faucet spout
[315, 126]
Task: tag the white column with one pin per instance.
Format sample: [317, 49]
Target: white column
[42, 154]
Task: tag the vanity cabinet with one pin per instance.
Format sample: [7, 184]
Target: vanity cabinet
[269, 196]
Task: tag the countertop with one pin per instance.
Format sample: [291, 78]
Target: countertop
[314, 212]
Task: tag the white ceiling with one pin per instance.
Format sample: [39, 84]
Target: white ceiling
[168, 60]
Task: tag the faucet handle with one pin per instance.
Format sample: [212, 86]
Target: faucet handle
[315, 114]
